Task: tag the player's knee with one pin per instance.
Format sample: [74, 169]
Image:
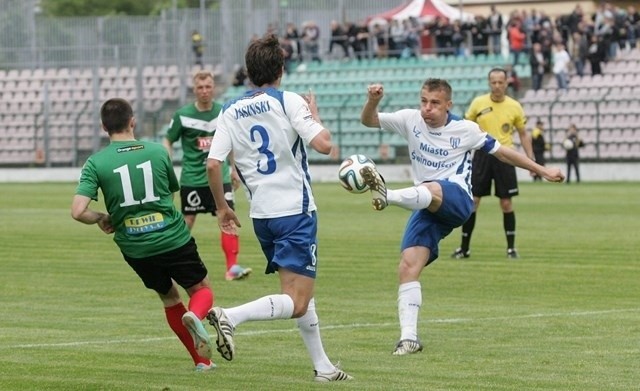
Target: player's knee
[299, 309]
[409, 268]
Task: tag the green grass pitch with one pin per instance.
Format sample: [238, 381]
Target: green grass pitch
[566, 316]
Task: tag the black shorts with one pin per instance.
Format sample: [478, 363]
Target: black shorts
[200, 200]
[183, 265]
[487, 169]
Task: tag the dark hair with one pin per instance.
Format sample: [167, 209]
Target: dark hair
[438, 84]
[501, 70]
[264, 60]
[115, 114]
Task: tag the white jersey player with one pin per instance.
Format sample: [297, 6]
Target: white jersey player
[440, 147]
[439, 153]
[267, 130]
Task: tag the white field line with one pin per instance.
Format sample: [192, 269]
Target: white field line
[329, 327]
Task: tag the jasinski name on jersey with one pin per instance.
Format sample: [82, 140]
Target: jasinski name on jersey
[253, 109]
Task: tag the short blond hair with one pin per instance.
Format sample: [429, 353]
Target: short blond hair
[201, 75]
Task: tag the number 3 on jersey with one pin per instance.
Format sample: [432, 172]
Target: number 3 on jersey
[127, 188]
[263, 149]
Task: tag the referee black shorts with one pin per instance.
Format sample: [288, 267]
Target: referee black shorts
[488, 169]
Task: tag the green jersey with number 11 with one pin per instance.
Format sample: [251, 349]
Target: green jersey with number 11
[137, 182]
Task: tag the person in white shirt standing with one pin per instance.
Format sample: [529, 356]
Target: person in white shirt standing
[561, 61]
[440, 148]
[267, 130]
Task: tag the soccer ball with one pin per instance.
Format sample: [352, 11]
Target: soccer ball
[349, 173]
[567, 144]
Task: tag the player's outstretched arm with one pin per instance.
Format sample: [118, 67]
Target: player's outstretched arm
[515, 158]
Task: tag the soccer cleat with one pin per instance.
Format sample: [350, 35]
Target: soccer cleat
[202, 367]
[218, 319]
[336, 375]
[459, 254]
[512, 253]
[237, 272]
[407, 346]
[376, 184]
[201, 339]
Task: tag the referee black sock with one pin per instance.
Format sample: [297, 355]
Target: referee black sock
[509, 221]
[467, 230]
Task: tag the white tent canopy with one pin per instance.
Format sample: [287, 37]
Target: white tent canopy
[424, 10]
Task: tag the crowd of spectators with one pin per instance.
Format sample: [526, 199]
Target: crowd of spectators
[555, 46]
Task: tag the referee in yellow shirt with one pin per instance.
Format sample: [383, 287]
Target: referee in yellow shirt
[498, 115]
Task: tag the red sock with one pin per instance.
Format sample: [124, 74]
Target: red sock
[174, 318]
[201, 302]
[230, 246]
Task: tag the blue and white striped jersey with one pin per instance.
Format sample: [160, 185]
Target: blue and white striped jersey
[443, 153]
[268, 130]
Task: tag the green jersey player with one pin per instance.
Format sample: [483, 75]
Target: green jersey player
[137, 181]
[195, 125]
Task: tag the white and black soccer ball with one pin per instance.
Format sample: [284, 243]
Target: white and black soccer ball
[349, 173]
[568, 144]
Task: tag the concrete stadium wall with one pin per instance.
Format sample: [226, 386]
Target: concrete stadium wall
[590, 172]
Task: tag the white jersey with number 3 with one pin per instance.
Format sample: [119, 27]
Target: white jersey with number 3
[268, 130]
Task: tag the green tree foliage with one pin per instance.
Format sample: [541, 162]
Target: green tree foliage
[116, 7]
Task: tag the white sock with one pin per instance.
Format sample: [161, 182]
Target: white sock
[265, 308]
[409, 303]
[310, 332]
[412, 198]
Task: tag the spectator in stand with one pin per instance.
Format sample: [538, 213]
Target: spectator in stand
[479, 36]
[458, 39]
[620, 25]
[381, 40]
[513, 82]
[596, 55]
[495, 30]
[575, 19]
[633, 25]
[197, 47]
[311, 40]
[537, 62]
[358, 36]
[562, 28]
[608, 35]
[546, 43]
[397, 38]
[414, 30]
[442, 33]
[288, 50]
[292, 34]
[535, 20]
[561, 62]
[338, 38]
[539, 146]
[362, 36]
[579, 51]
[517, 40]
